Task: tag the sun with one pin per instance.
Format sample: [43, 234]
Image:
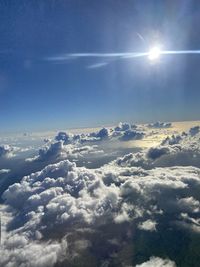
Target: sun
[154, 53]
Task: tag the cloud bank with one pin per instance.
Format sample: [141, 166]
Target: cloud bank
[66, 215]
[64, 196]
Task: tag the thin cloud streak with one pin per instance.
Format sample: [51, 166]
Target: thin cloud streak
[95, 55]
[97, 65]
[183, 52]
[124, 55]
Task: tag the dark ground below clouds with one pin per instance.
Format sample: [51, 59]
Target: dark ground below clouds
[118, 245]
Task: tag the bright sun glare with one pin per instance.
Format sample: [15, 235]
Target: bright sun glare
[154, 53]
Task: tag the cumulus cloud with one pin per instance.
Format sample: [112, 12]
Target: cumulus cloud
[4, 171]
[6, 151]
[131, 135]
[53, 150]
[186, 142]
[124, 132]
[148, 225]
[19, 251]
[59, 150]
[68, 138]
[47, 140]
[194, 130]
[148, 158]
[157, 262]
[122, 126]
[173, 140]
[156, 152]
[63, 136]
[159, 124]
[182, 149]
[75, 146]
[102, 134]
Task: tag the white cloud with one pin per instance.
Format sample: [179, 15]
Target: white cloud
[54, 150]
[123, 131]
[65, 137]
[97, 65]
[131, 135]
[181, 150]
[148, 225]
[173, 140]
[6, 151]
[157, 262]
[194, 130]
[74, 146]
[105, 56]
[59, 150]
[123, 126]
[154, 153]
[19, 251]
[4, 171]
[159, 124]
[102, 134]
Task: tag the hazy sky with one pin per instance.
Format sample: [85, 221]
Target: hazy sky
[38, 93]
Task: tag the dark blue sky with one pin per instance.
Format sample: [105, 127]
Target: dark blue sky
[37, 94]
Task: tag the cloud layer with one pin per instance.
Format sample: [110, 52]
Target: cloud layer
[64, 214]
[63, 195]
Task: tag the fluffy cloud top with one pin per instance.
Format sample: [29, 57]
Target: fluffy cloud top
[131, 135]
[156, 152]
[102, 134]
[173, 140]
[52, 151]
[58, 150]
[183, 150]
[188, 142]
[124, 132]
[122, 126]
[148, 225]
[62, 136]
[6, 151]
[157, 262]
[74, 146]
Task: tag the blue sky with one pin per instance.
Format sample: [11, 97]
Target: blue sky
[40, 94]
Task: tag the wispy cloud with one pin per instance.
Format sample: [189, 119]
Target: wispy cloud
[96, 55]
[108, 57]
[97, 65]
[122, 55]
[140, 36]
